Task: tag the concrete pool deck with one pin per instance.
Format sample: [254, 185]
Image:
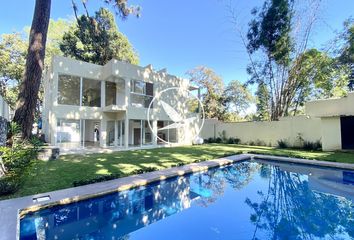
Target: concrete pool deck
[12, 209]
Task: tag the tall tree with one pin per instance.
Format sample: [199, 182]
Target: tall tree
[263, 108]
[269, 32]
[238, 97]
[346, 51]
[12, 61]
[28, 96]
[97, 40]
[212, 88]
[278, 34]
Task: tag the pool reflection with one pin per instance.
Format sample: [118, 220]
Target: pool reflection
[280, 200]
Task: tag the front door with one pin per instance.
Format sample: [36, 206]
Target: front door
[137, 135]
[347, 131]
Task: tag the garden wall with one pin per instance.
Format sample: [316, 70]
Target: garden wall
[289, 129]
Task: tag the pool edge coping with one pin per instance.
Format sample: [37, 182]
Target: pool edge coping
[24, 205]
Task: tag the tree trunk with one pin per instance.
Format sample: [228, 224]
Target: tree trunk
[28, 96]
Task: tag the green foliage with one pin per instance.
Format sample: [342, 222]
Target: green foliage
[225, 140]
[97, 40]
[233, 140]
[282, 143]
[312, 146]
[96, 179]
[263, 109]
[270, 30]
[112, 176]
[211, 86]
[9, 185]
[13, 52]
[14, 159]
[346, 51]
[12, 61]
[238, 97]
[319, 75]
[286, 72]
[225, 104]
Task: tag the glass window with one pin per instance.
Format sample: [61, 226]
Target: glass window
[111, 133]
[137, 86]
[68, 90]
[148, 136]
[111, 93]
[68, 131]
[140, 101]
[91, 93]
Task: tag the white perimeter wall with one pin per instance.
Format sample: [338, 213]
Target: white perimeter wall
[4, 109]
[268, 132]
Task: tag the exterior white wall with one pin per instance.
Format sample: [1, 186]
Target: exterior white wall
[5, 110]
[331, 107]
[268, 132]
[331, 133]
[113, 71]
[330, 111]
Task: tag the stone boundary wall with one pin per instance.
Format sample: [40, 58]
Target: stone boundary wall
[267, 132]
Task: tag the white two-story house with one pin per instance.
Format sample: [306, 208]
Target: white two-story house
[89, 105]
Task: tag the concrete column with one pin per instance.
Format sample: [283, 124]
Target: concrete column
[103, 134]
[126, 133]
[154, 130]
[121, 133]
[103, 94]
[127, 92]
[116, 133]
[142, 133]
[198, 101]
[53, 128]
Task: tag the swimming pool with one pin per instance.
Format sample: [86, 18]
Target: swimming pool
[247, 200]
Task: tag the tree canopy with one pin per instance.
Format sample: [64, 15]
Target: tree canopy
[97, 40]
[13, 52]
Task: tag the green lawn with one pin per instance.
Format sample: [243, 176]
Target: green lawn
[48, 176]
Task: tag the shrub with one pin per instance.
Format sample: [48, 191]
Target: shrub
[144, 170]
[14, 159]
[308, 145]
[218, 140]
[282, 143]
[18, 157]
[96, 179]
[9, 184]
[211, 140]
[223, 136]
[260, 143]
[233, 140]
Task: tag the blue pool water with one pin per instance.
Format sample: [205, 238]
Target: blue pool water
[247, 200]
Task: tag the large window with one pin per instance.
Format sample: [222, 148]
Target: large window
[141, 93]
[137, 86]
[111, 93]
[69, 90]
[91, 93]
[68, 132]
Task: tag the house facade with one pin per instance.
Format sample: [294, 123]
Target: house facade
[117, 105]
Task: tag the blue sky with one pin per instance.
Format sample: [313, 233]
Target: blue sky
[182, 34]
